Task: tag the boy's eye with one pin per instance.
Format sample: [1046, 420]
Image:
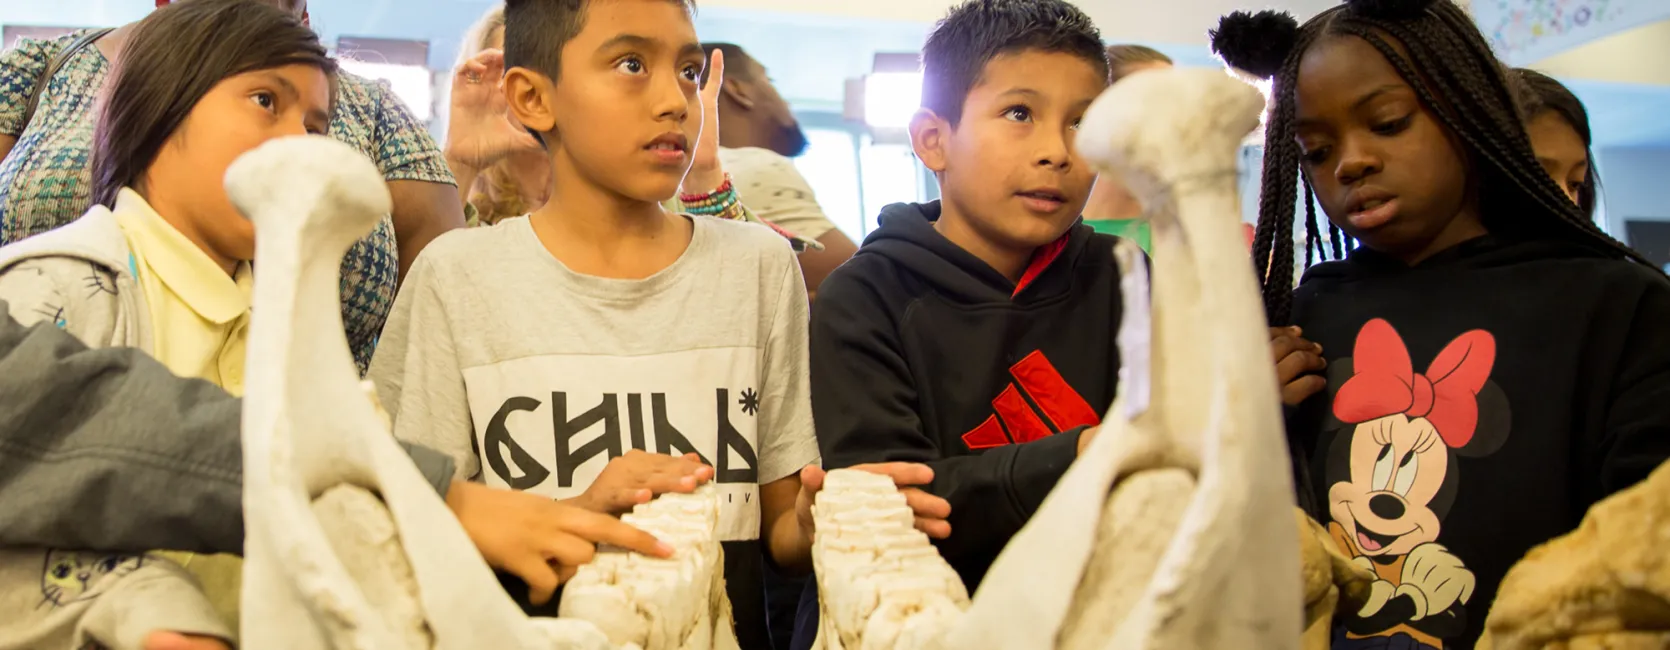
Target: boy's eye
[1075, 125]
[1018, 113]
[1394, 127]
[692, 72]
[630, 65]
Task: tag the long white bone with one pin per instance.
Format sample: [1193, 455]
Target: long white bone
[347, 545]
[1175, 529]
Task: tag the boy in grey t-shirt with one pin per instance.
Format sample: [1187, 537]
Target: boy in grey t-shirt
[543, 352]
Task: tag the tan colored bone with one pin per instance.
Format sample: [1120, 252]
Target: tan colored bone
[1604, 585]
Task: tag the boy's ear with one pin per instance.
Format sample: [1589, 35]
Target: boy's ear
[529, 94]
[929, 135]
[739, 92]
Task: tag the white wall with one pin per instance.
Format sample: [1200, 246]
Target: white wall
[1633, 184]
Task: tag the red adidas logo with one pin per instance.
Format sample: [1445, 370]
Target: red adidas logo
[1037, 394]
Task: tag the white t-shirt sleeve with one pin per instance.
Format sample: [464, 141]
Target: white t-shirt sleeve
[786, 438]
[774, 190]
[418, 375]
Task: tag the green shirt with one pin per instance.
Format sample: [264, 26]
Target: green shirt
[1135, 229]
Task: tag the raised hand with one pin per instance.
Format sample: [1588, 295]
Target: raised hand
[931, 511]
[706, 174]
[480, 129]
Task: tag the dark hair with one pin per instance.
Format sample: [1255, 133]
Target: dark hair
[535, 31]
[1539, 94]
[172, 59]
[1122, 57]
[734, 56]
[1457, 77]
[977, 31]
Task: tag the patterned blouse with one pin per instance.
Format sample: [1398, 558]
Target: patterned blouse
[46, 181]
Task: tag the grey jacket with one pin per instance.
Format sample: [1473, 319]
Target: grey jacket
[106, 449]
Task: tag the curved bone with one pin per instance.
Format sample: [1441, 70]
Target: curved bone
[1604, 585]
[347, 546]
[1195, 546]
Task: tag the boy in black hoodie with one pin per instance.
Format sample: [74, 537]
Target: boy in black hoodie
[975, 334]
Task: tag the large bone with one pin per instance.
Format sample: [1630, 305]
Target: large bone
[347, 546]
[1604, 585]
[1175, 528]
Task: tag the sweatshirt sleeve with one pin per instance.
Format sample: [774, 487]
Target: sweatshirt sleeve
[418, 375]
[1637, 435]
[106, 449]
[159, 595]
[865, 402]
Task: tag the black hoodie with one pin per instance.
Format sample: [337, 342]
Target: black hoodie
[923, 353]
[1477, 405]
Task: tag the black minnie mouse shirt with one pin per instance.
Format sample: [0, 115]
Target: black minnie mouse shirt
[1477, 405]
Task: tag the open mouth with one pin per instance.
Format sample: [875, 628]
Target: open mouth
[1372, 541]
[669, 148]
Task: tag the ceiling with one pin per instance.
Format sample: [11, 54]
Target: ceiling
[812, 46]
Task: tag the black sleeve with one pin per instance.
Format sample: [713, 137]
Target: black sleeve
[106, 449]
[864, 404]
[1637, 434]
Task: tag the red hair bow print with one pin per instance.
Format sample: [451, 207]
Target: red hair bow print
[1384, 382]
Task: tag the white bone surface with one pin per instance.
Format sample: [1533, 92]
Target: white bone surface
[676, 603]
[347, 546]
[1174, 529]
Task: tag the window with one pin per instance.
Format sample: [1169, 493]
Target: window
[830, 165]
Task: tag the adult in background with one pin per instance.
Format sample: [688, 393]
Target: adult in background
[46, 178]
[1111, 208]
[758, 135]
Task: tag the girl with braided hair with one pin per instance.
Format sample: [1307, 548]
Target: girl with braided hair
[1479, 362]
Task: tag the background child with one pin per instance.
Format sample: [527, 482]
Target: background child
[1559, 129]
[975, 334]
[548, 353]
[1111, 208]
[1495, 363]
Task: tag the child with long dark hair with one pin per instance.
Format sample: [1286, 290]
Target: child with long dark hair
[1558, 125]
[1494, 363]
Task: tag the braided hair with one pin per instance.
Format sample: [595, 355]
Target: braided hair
[1454, 73]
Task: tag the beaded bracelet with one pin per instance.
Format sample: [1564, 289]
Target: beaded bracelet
[721, 202]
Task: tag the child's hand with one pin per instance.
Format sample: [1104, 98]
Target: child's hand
[638, 476]
[480, 128]
[931, 511]
[706, 174]
[177, 641]
[1086, 437]
[526, 534]
[1297, 361]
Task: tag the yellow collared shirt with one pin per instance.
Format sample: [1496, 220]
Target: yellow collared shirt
[200, 316]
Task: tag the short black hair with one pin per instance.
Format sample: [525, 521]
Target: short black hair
[734, 54]
[1455, 74]
[535, 31]
[1539, 94]
[1122, 57]
[176, 55]
[977, 31]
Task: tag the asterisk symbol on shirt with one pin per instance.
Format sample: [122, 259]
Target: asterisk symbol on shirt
[750, 401]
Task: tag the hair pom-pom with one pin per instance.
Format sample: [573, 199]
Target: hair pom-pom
[1257, 44]
[1390, 9]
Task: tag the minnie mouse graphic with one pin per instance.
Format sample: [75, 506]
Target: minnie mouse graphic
[1392, 477]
